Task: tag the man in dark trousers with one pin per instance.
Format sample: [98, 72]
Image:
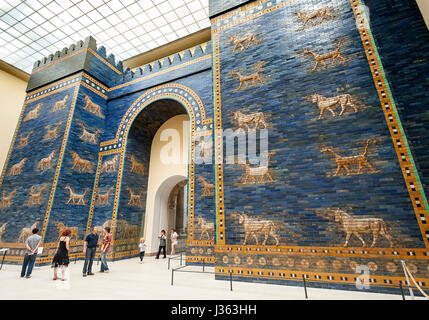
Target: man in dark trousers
[89, 249]
[162, 244]
[32, 245]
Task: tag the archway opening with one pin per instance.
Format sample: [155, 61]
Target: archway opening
[154, 185]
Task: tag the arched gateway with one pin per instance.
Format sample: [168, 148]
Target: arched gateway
[148, 112]
[341, 189]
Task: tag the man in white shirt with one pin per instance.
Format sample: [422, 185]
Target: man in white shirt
[173, 237]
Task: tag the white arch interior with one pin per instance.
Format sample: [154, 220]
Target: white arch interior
[169, 159]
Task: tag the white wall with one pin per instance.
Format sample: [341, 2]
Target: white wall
[12, 93]
[163, 177]
[424, 8]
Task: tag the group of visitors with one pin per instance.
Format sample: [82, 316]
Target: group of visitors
[61, 257]
[163, 242]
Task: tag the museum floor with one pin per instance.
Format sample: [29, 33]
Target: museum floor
[128, 279]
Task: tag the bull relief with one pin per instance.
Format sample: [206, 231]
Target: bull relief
[74, 231]
[207, 187]
[46, 163]
[109, 166]
[6, 200]
[259, 174]
[52, 132]
[26, 232]
[2, 230]
[206, 228]
[60, 105]
[256, 227]
[23, 140]
[92, 107]
[243, 42]
[315, 17]
[81, 165]
[136, 166]
[16, 169]
[34, 114]
[344, 101]
[357, 226]
[250, 121]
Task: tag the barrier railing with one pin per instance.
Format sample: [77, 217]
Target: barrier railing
[180, 269]
[408, 275]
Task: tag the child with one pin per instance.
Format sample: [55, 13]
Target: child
[142, 246]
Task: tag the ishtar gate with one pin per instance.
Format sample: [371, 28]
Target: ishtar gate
[337, 88]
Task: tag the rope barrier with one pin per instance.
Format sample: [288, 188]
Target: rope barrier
[408, 274]
[415, 283]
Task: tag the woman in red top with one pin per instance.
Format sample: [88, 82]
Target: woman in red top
[105, 248]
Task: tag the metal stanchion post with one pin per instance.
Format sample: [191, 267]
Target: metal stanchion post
[305, 287]
[181, 254]
[203, 264]
[402, 292]
[408, 280]
[169, 263]
[230, 280]
[172, 276]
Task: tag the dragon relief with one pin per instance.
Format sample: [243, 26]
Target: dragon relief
[321, 58]
[253, 79]
[259, 174]
[346, 162]
[35, 195]
[136, 166]
[103, 198]
[76, 198]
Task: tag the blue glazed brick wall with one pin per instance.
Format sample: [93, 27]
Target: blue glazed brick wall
[403, 42]
[300, 204]
[304, 186]
[72, 212]
[22, 212]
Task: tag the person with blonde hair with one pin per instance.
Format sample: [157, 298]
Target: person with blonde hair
[142, 247]
[61, 258]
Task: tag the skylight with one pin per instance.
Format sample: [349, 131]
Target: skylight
[33, 29]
